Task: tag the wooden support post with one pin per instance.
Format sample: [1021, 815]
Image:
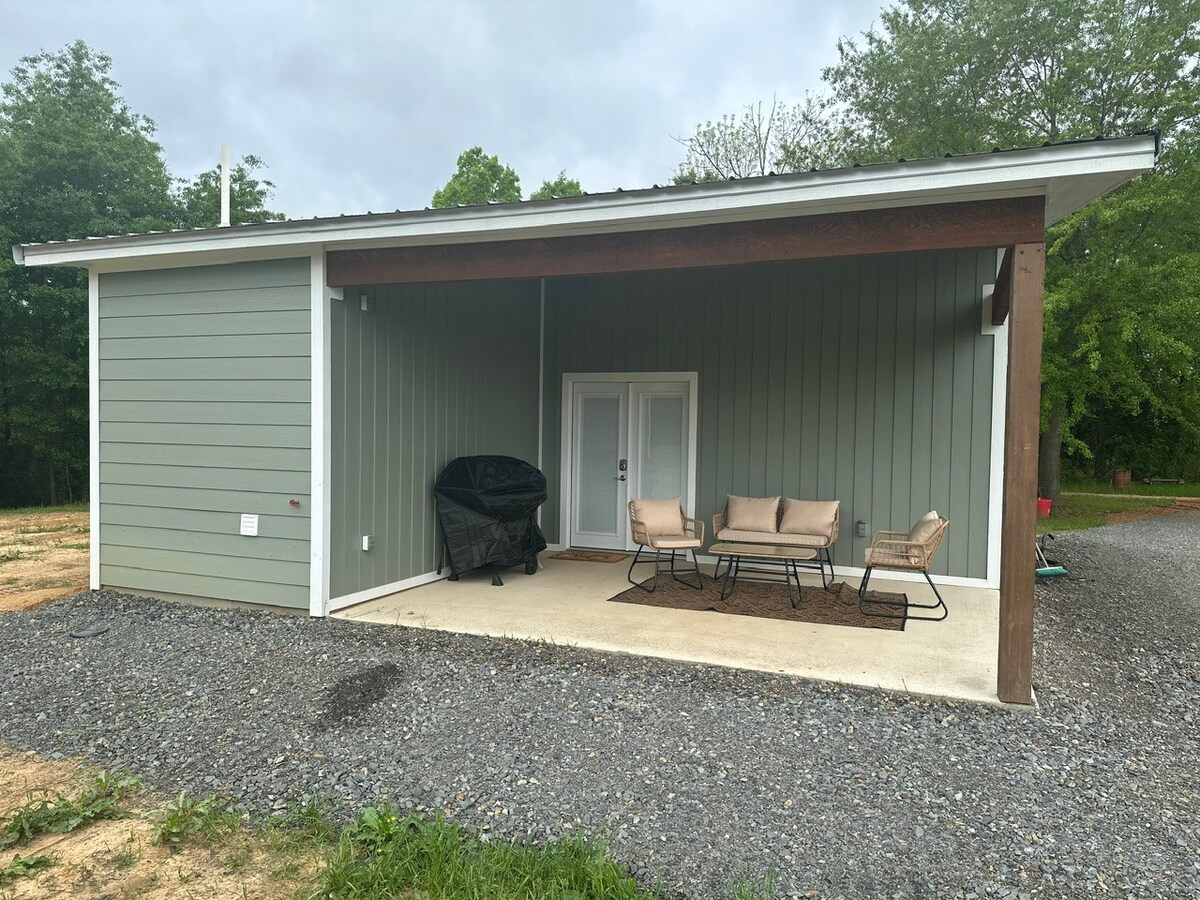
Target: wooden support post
[1022, 424]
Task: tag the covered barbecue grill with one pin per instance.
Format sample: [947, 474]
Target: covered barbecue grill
[486, 507]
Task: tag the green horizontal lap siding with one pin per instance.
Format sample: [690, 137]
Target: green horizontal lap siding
[205, 415]
[430, 373]
[865, 380]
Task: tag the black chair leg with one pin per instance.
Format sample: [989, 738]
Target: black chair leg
[905, 606]
[695, 565]
[636, 559]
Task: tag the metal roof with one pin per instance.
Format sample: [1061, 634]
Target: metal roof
[325, 229]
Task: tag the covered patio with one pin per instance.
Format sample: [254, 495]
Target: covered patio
[566, 603]
[867, 336]
[271, 404]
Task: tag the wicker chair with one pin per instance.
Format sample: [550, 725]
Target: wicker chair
[909, 551]
[663, 526]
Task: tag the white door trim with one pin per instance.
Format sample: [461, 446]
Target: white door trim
[569, 379]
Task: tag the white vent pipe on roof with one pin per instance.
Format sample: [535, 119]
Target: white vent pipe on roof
[224, 185]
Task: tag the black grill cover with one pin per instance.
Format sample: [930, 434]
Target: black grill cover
[486, 506]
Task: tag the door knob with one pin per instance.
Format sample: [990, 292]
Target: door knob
[620, 478]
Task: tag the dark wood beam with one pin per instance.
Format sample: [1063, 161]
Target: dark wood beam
[947, 226]
[1002, 292]
[1019, 527]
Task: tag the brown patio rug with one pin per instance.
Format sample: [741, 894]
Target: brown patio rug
[590, 555]
[836, 606]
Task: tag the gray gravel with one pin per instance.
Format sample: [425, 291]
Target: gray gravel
[695, 774]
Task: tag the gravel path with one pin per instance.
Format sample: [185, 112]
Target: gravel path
[695, 774]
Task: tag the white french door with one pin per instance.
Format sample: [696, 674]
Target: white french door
[627, 439]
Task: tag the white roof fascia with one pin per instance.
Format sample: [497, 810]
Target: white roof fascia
[1079, 172]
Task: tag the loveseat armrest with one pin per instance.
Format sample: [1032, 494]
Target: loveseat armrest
[695, 526]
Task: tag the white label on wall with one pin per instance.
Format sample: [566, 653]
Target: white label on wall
[250, 524]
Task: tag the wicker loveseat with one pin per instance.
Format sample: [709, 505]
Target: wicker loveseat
[782, 522]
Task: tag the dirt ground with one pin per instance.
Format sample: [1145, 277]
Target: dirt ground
[117, 858]
[43, 556]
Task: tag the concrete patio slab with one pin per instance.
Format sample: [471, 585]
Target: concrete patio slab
[566, 603]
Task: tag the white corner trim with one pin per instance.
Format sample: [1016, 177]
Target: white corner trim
[320, 298]
[999, 335]
[94, 539]
[541, 381]
[374, 593]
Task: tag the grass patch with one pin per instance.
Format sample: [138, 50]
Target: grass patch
[61, 814]
[204, 819]
[22, 866]
[86, 545]
[11, 555]
[383, 854]
[1153, 490]
[1075, 512]
[44, 510]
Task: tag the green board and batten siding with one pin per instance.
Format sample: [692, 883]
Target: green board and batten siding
[205, 415]
[430, 372]
[865, 380]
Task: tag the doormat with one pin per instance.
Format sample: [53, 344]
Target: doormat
[590, 555]
[836, 606]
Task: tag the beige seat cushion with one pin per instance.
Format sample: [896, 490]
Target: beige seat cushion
[733, 536]
[808, 516]
[925, 527]
[889, 556]
[752, 514]
[672, 542]
[659, 516]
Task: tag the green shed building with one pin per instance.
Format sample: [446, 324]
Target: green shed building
[271, 403]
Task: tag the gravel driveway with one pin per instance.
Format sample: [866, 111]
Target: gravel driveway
[695, 774]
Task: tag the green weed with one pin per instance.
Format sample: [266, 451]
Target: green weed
[11, 555]
[205, 819]
[39, 510]
[383, 854]
[22, 866]
[61, 814]
[86, 545]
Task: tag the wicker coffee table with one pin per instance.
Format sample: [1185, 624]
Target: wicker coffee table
[763, 560]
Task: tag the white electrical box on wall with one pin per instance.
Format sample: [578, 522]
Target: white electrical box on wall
[368, 541]
[249, 524]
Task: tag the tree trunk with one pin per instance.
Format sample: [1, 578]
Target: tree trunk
[1050, 454]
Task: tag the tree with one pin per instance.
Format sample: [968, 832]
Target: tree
[74, 161]
[479, 179]
[562, 186]
[966, 75]
[199, 200]
[782, 138]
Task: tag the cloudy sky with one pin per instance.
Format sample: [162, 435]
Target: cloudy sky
[361, 106]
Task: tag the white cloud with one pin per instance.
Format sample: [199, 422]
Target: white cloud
[367, 105]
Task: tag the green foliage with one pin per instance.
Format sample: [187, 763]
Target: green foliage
[782, 138]
[1123, 275]
[61, 814]
[479, 179]
[22, 866]
[75, 161]
[562, 186]
[204, 819]
[942, 76]
[383, 854]
[200, 199]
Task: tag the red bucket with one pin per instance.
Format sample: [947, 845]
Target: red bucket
[1044, 505]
